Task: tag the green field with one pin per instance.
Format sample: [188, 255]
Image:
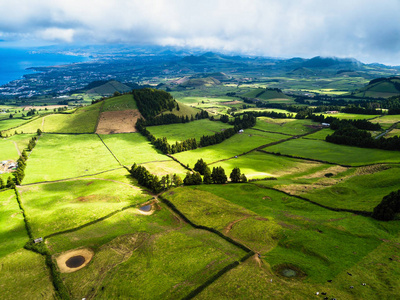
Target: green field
[299, 230]
[229, 148]
[286, 126]
[132, 148]
[334, 153]
[260, 165]
[64, 205]
[83, 120]
[119, 103]
[59, 156]
[9, 123]
[9, 146]
[195, 129]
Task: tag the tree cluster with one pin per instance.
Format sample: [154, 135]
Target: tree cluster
[151, 102]
[152, 182]
[173, 119]
[388, 208]
[236, 176]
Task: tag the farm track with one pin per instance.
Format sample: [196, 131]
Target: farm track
[387, 131]
[16, 147]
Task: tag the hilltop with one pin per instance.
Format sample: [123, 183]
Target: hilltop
[380, 88]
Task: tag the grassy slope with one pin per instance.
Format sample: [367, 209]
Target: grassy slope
[65, 156]
[63, 205]
[235, 145]
[288, 126]
[180, 132]
[132, 148]
[334, 153]
[123, 102]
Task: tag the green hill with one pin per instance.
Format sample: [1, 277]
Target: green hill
[109, 88]
[380, 88]
[200, 82]
[266, 94]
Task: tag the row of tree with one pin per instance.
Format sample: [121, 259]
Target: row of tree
[152, 182]
[217, 175]
[173, 119]
[352, 136]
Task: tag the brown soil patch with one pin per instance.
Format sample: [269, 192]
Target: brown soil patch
[62, 259]
[118, 121]
[49, 107]
[231, 224]
[86, 198]
[321, 174]
[371, 169]
[231, 102]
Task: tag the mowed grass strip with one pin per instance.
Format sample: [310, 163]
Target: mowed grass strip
[60, 206]
[238, 144]
[196, 129]
[13, 234]
[58, 156]
[132, 148]
[340, 154]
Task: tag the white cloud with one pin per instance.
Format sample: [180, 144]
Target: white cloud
[57, 34]
[365, 29]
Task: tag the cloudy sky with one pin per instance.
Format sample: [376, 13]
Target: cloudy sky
[363, 29]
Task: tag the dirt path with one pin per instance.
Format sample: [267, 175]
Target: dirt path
[16, 147]
[230, 225]
[43, 124]
[257, 259]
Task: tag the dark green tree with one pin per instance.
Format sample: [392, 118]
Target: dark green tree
[10, 183]
[218, 175]
[200, 166]
[207, 176]
[235, 175]
[388, 208]
[2, 185]
[243, 178]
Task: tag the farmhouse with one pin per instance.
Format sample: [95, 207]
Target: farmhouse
[325, 124]
[241, 131]
[332, 112]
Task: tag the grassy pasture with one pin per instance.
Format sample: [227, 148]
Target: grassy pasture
[235, 145]
[8, 148]
[287, 126]
[339, 154]
[305, 228]
[345, 116]
[260, 165]
[9, 123]
[320, 135]
[123, 102]
[24, 275]
[359, 192]
[132, 148]
[13, 234]
[388, 119]
[165, 167]
[65, 156]
[184, 110]
[195, 129]
[83, 120]
[59, 206]
[167, 257]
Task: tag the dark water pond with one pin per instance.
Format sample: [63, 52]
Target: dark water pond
[145, 208]
[288, 272]
[75, 261]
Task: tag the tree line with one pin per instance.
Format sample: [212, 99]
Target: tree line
[151, 102]
[19, 173]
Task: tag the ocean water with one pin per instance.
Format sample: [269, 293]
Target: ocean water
[14, 62]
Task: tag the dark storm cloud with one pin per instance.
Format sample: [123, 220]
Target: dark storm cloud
[364, 29]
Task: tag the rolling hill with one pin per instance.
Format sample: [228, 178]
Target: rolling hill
[109, 88]
[380, 88]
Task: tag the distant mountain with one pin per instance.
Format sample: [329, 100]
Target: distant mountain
[108, 88]
[200, 82]
[332, 62]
